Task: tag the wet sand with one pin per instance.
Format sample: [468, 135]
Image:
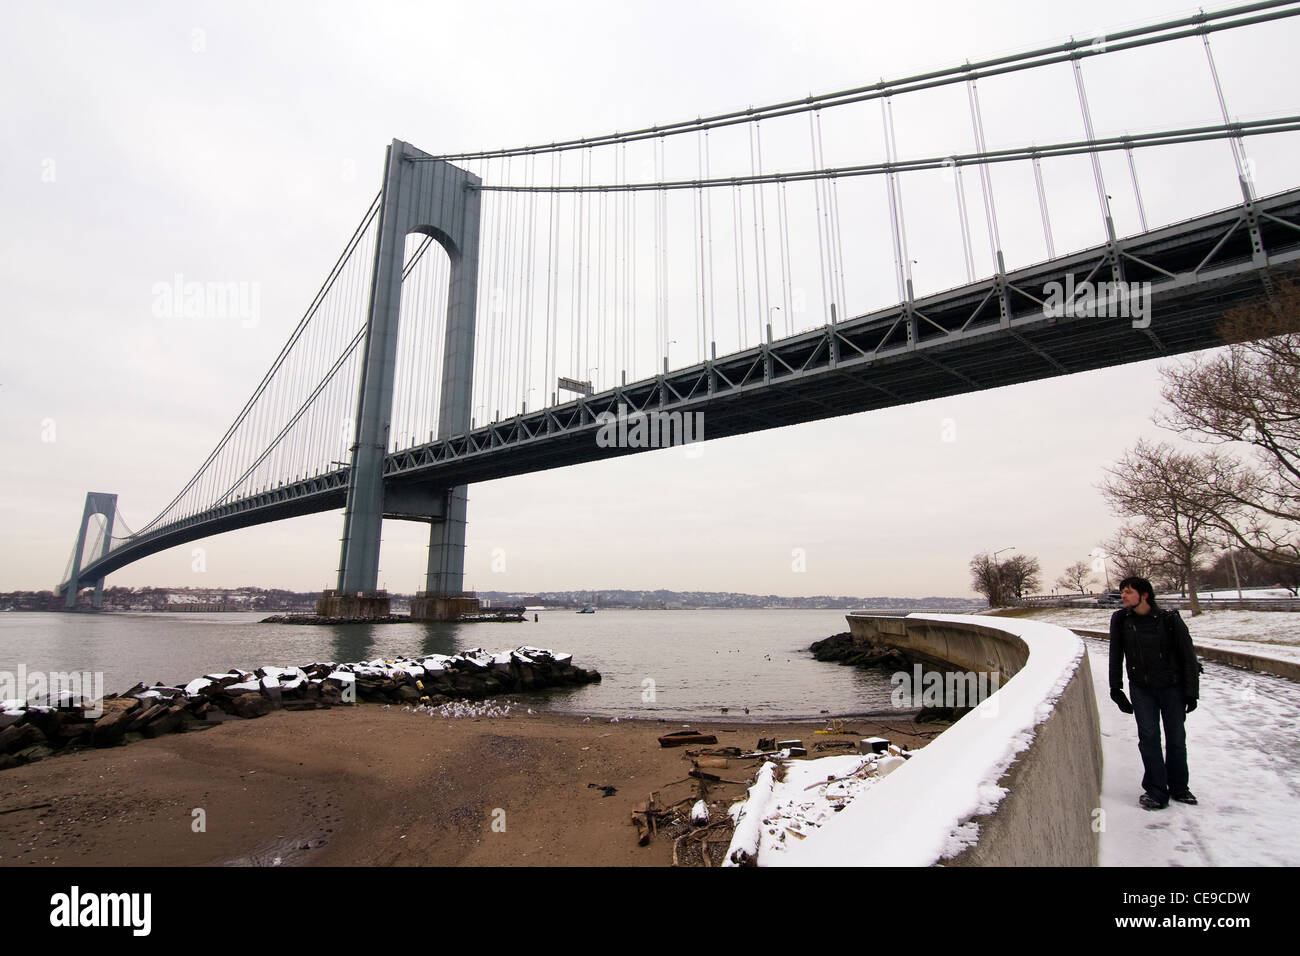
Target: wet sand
[364, 786]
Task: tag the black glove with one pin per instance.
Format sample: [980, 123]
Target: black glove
[1191, 704]
[1119, 698]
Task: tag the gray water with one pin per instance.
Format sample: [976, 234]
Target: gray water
[677, 665]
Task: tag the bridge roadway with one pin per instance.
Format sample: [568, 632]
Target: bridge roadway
[984, 335]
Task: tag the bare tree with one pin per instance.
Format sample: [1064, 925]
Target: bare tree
[1179, 500]
[1076, 576]
[1021, 574]
[987, 579]
[1250, 394]
[1137, 549]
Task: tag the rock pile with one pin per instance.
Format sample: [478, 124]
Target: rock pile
[31, 731]
[842, 649]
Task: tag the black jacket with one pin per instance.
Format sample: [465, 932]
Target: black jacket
[1160, 659]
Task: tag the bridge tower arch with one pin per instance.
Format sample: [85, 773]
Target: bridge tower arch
[419, 195]
[97, 503]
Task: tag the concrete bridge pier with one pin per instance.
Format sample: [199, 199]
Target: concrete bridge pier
[443, 598]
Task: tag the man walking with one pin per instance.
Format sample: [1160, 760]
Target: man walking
[1163, 677]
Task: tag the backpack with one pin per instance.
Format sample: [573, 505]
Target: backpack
[1164, 636]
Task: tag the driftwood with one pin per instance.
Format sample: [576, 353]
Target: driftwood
[716, 762]
[701, 836]
[682, 737]
[713, 777]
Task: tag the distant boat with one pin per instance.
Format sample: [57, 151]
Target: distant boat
[589, 609]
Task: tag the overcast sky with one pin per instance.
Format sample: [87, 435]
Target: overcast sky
[242, 141]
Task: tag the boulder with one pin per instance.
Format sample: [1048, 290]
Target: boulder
[32, 754]
[143, 716]
[250, 705]
[19, 737]
[73, 733]
[166, 722]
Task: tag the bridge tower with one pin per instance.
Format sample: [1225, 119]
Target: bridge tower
[434, 198]
[97, 503]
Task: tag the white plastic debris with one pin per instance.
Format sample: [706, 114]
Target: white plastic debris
[700, 813]
[887, 765]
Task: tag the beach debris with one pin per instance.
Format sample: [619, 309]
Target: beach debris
[824, 745]
[714, 762]
[803, 796]
[887, 765]
[679, 738]
[743, 850]
[873, 745]
[699, 813]
[715, 752]
[606, 790]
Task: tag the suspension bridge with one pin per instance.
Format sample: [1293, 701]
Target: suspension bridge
[494, 310]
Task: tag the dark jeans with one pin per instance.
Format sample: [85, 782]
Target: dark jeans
[1151, 706]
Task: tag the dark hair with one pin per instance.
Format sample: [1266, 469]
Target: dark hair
[1142, 586]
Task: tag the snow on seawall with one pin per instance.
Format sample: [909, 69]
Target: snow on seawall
[922, 812]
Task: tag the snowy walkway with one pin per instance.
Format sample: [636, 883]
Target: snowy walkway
[1244, 758]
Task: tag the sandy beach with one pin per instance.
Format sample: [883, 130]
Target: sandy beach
[366, 786]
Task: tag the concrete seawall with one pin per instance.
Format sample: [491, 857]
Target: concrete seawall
[1047, 817]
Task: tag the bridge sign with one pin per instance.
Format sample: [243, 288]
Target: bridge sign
[572, 385]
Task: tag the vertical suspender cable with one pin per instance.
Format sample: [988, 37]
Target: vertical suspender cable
[548, 356]
[708, 201]
[1102, 199]
[986, 182]
[738, 236]
[838, 256]
[1137, 193]
[967, 253]
[697, 208]
[1042, 209]
[895, 230]
[762, 210]
[760, 311]
[527, 330]
[1238, 144]
[819, 186]
[783, 237]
